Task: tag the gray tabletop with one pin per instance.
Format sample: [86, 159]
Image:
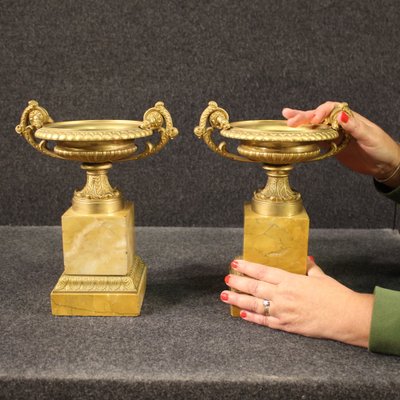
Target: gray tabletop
[185, 344]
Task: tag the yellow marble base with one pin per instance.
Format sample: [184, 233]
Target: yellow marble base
[98, 244]
[82, 295]
[277, 241]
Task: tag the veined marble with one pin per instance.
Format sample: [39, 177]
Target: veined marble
[98, 244]
[276, 241]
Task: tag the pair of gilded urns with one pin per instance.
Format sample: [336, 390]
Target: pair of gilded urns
[103, 275]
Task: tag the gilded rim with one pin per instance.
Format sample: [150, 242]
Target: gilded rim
[93, 131]
[278, 131]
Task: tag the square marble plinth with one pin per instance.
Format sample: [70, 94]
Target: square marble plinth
[98, 244]
[276, 241]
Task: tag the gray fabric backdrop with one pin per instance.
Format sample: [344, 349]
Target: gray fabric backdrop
[114, 59]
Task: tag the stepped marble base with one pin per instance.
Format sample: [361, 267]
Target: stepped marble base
[83, 295]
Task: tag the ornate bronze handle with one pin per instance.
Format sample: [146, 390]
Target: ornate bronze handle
[154, 119]
[32, 119]
[333, 122]
[218, 118]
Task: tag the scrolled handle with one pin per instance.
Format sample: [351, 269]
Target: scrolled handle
[33, 118]
[217, 118]
[333, 122]
[158, 119]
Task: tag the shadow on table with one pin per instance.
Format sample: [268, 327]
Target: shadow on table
[363, 274]
[185, 288]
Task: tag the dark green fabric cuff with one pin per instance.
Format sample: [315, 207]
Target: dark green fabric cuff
[390, 193]
[384, 336]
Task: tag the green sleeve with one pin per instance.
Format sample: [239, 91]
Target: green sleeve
[384, 336]
[390, 193]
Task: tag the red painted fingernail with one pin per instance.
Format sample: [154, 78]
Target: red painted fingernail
[312, 258]
[344, 117]
[224, 296]
[234, 264]
[243, 314]
[227, 278]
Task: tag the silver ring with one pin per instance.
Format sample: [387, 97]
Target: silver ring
[266, 304]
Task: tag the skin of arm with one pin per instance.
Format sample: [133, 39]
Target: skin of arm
[317, 305]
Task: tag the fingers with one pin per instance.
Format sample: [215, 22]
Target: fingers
[245, 302]
[349, 124]
[362, 130]
[259, 271]
[252, 309]
[260, 289]
[299, 117]
[260, 319]
[323, 111]
[290, 112]
[355, 126]
[312, 268]
[302, 117]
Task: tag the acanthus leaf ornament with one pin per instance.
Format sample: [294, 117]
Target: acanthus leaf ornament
[97, 185]
[277, 188]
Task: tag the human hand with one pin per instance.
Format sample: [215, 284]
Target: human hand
[372, 151]
[315, 305]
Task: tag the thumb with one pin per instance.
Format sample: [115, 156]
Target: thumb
[354, 126]
[312, 268]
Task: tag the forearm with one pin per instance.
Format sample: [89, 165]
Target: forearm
[356, 325]
[389, 175]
